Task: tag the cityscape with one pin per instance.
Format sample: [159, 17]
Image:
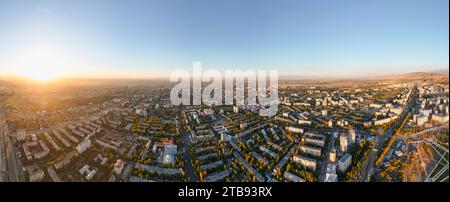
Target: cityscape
[391, 129]
[100, 110]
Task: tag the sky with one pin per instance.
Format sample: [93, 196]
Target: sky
[150, 38]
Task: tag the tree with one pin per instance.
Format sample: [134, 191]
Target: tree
[200, 175]
[288, 167]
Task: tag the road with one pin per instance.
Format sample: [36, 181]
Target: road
[3, 163]
[369, 164]
[187, 154]
[325, 158]
[11, 169]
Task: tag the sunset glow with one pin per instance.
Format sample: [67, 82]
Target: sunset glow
[41, 75]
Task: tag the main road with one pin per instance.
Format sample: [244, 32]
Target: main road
[3, 164]
[369, 165]
[187, 154]
[10, 168]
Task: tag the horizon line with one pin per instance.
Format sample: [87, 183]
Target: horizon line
[283, 77]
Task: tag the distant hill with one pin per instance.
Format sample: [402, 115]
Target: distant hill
[436, 76]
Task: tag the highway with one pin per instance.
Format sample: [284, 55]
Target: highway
[369, 164]
[11, 169]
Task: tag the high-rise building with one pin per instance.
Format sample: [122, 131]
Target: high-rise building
[344, 163]
[343, 142]
[332, 156]
[352, 136]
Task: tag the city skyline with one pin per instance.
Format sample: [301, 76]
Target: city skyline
[148, 39]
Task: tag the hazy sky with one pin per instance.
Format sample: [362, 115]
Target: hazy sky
[154, 37]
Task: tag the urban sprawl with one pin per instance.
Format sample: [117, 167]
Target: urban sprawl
[341, 131]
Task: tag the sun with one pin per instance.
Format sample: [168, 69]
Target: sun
[41, 60]
[42, 74]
